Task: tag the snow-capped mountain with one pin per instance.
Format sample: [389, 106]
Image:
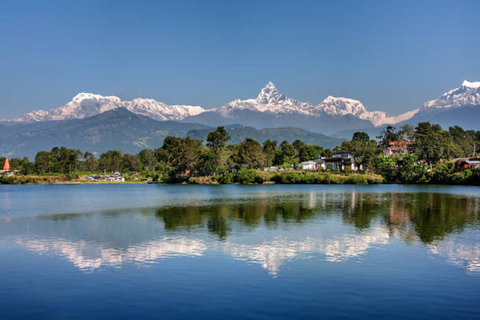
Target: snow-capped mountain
[343, 106]
[270, 100]
[271, 108]
[85, 105]
[457, 107]
[468, 94]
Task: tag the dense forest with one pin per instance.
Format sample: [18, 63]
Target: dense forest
[430, 159]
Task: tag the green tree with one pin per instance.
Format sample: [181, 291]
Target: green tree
[147, 159]
[362, 148]
[207, 163]
[387, 135]
[297, 145]
[250, 153]
[464, 142]
[269, 149]
[45, 162]
[432, 143]
[89, 162]
[217, 139]
[183, 153]
[130, 163]
[22, 166]
[286, 155]
[111, 161]
[309, 152]
[387, 167]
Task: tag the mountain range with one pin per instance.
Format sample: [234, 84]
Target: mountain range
[270, 108]
[93, 122]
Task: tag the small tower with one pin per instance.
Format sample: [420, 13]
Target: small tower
[6, 166]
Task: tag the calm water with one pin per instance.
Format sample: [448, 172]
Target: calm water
[239, 252]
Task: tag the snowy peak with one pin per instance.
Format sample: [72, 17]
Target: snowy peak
[269, 94]
[270, 102]
[468, 84]
[342, 106]
[336, 106]
[468, 94]
[85, 105]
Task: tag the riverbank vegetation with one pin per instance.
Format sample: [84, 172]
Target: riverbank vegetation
[432, 156]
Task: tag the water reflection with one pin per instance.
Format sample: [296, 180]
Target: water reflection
[88, 256]
[269, 231]
[271, 255]
[460, 251]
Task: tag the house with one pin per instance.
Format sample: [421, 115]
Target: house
[340, 161]
[468, 163]
[398, 147]
[114, 177]
[312, 165]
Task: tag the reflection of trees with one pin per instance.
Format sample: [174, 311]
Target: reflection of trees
[175, 218]
[361, 209]
[410, 216]
[437, 215]
[217, 222]
[218, 217]
[188, 217]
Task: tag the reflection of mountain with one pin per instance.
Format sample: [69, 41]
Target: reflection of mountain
[270, 230]
[271, 255]
[89, 256]
[460, 252]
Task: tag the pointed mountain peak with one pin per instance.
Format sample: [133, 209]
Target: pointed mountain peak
[270, 94]
[468, 84]
[468, 94]
[270, 85]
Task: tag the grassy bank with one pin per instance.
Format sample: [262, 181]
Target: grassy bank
[243, 176]
[252, 176]
[56, 179]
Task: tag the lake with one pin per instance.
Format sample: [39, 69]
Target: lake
[239, 252]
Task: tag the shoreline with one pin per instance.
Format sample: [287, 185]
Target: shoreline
[259, 178]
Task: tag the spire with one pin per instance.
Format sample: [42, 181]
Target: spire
[270, 94]
[6, 166]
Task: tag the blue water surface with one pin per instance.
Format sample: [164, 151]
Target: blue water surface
[239, 252]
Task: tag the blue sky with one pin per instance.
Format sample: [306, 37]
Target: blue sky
[391, 55]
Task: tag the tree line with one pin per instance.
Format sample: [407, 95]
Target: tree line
[185, 156]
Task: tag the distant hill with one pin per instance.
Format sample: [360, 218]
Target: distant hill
[467, 117]
[117, 129]
[238, 133]
[120, 129]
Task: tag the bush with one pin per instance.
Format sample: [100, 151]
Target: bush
[193, 180]
[227, 178]
[6, 180]
[246, 176]
[356, 179]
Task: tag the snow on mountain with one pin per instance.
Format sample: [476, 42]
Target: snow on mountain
[468, 94]
[344, 106]
[270, 100]
[85, 105]
[161, 111]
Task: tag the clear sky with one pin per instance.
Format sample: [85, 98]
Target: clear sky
[391, 55]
